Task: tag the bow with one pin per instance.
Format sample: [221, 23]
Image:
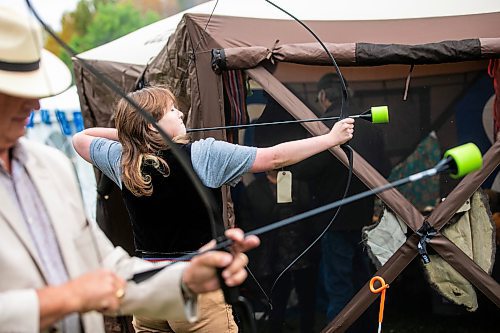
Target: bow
[348, 150]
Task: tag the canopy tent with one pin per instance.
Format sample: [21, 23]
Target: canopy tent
[428, 62]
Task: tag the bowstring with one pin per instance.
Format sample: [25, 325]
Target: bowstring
[349, 153]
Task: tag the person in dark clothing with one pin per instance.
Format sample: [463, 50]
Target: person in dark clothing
[345, 264]
[258, 207]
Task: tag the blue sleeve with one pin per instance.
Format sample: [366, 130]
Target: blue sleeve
[219, 162]
[106, 156]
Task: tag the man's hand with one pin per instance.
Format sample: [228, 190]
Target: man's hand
[200, 276]
[99, 290]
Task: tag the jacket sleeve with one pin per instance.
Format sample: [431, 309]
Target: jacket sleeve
[19, 311]
[158, 297]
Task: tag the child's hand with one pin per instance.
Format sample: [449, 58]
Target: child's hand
[343, 131]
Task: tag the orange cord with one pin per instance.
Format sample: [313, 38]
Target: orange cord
[381, 289]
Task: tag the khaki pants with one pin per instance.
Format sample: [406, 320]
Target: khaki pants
[214, 316]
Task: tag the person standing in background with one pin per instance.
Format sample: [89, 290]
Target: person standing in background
[345, 264]
[259, 206]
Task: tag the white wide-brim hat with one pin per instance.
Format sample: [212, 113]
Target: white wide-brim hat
[26, 69]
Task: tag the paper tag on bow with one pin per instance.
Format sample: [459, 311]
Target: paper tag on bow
[284, 190]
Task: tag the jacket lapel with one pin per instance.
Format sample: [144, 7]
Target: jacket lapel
[55, 206]
[12, 215]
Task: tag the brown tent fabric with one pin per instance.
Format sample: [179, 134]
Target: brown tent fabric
[171, 66]
[362, 54]
[96, 99]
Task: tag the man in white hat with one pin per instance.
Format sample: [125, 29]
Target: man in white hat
[59, 272]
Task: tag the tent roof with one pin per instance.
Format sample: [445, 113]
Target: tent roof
[140, 46]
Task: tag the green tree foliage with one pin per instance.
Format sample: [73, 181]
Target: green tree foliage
[111, 20]
[96, 22]
[81, 16]
[68, 30]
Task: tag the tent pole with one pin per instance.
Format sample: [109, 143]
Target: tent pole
[446, 249]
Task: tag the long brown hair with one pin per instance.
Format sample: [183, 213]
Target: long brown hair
[140, 141]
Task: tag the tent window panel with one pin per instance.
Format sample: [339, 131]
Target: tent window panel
[444, 105]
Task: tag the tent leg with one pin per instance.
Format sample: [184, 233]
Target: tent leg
[364, 298]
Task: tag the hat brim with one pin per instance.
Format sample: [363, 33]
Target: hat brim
[52, 78]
